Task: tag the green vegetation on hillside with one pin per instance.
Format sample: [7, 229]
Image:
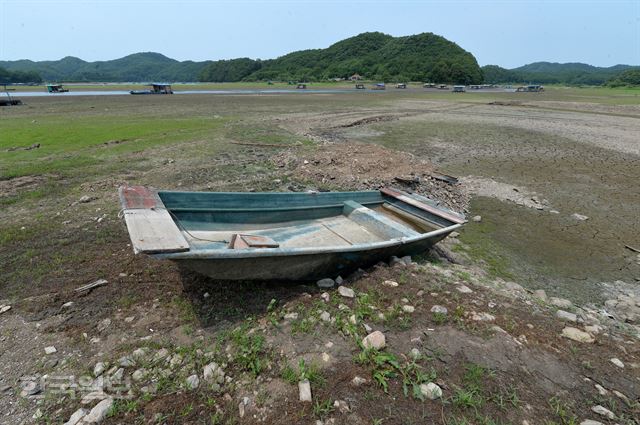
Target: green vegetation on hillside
[19, 76]
[554, 73]
[630, 77]
[373, 55]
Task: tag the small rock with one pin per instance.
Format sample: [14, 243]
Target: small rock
[431, 391]
[304, 389]
[357, 381]
[37, 414]
[367, 327]
[206, 295]
[346, 292]
[126, 361]
[325, 297]
[77, 415]
[541, 294]
[104, 324]
[343, 307]
[86, 198]
[193, 382]
[464, 289]
[590, 422]
[476, 218]
[341, 406]
[99, 412]
[567, 316]
[326, 283]
[291, 316]
[577, 335]
[415, 354]
[408, 308]
[352, 319]
[4, 308]
[139, 353]
[339, 280]
[601, 390]
[482, 317]
[93, 396]
[160, 354]
[395, 261]
[560, 302]
[603, 411]
[407, 260]
[67, 304]
[616, 361]
[129, 319]
[326, 357]
[212, 373]
[325, 316]
[579, 217]
[118, 374]
[138, 374]
[439, 309]
[98, 369]
[176, 360]
[375, 340]
[391, 283]
[50, 350]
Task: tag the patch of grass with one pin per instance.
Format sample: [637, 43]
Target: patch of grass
[185, 308]
[440, 318]
[322, 409]
[310, 372]
[562, 410]
[467, 398]
[250, 351]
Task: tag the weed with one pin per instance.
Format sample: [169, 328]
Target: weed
[322, 408]
[467, 398]
[250, 349]
[440, 318]
[562, 410]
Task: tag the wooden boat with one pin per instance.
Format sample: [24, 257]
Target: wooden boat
[282, 236]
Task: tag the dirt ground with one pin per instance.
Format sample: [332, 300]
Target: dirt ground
[497, 354]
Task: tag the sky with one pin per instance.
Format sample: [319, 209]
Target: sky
[506, 33]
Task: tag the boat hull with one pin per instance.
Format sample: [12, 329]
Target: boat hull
[297, 267]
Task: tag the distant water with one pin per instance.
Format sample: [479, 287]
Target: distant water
[220, 92]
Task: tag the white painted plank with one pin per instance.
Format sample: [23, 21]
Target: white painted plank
[154, 231]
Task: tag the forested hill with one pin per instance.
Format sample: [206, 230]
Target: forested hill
[549, 73]
[373, 55]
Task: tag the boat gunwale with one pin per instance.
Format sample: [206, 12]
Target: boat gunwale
[225, 253]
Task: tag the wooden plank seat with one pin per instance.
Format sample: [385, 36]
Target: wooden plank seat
[376, 222]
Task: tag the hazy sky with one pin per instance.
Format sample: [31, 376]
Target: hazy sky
[506, 33]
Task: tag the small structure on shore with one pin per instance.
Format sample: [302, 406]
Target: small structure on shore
[532, 88]
[156, 88]
[443, 87]
[401, 86]
[356, 77]
[360, 86]
[459, 89]
[301, 86]
[379, 86]
[56, 88]
[429, 85]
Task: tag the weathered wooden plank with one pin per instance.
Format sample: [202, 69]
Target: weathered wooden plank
[376, 222]
[406, 198]
[151, 228]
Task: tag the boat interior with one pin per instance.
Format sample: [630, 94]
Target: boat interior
[296, 220]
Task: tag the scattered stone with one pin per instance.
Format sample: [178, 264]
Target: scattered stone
[482, 317]
[600, 410]
[560, 302]
[577, 335]
[439, 309]
[104, 324]
[37, 414]
[541, 294]
[212, 373]
[375, 340]
[77, 415]
[464, 289]
[415, 354]
[343, 307]
[92, 397]
[50, 350]
[85, 199]
[138, 374]
[67, 304]
[368, 328]
[431, 391]
[99, 412]
[341, 406]
[326, 283]
[325, 316]
[117, 376]
[291, 316]
[339, 280]
[129, 319]
[193, 382]
[326, 357]
[476, 218]
[176, 360]
[304, 389]
[126, 361]
[391, 283]
[593, 329]
[407, 260]
[567, 316]
[579, 217]
[5, 389]
[601, 389]
[408, 308]
[590, 422]
[325, 296]
[98, 369]
[346, 292]
[357, 381]
[160, 354]
[139, 353]
[621, 396]
[352, 319]
[395, 261]
[616, 361]
[4, 308]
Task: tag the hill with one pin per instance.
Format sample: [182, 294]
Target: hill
[550, 72]
[373, 55]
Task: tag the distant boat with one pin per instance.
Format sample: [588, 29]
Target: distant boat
[156, 88]
[56, 88]
[283, 236]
